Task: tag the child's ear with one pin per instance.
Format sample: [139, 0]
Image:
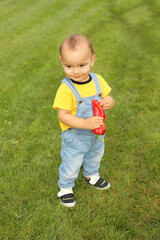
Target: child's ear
[60, 58]
[93, 60]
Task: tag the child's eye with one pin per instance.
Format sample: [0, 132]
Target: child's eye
[69, 66]
[82, 65]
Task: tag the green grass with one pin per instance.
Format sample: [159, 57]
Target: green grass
[126, 38]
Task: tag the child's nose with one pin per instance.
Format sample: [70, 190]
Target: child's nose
[76, 70]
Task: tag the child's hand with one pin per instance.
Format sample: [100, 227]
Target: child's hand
[93, 122]
[107, 102]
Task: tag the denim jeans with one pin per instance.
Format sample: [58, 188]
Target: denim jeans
[78, 149]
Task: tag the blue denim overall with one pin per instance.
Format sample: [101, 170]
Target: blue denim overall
[80, 146]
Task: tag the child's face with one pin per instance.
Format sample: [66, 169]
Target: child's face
[77, 63]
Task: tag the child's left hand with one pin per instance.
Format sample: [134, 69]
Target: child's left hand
[107, 102]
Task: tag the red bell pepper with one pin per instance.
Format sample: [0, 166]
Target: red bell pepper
[98, 111]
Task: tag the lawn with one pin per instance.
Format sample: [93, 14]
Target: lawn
[126, 39]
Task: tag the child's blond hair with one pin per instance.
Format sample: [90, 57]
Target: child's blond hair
[73, 40]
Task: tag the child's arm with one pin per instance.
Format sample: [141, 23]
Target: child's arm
[107, 102]
[91, 123]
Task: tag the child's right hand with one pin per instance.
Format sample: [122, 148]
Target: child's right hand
[93, 122]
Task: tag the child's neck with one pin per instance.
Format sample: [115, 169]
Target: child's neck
[89, 79]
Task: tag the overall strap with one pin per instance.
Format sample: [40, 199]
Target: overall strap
[74, 90]
[96, 82]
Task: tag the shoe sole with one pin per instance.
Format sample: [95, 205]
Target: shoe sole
[106, 188]
[68, 204]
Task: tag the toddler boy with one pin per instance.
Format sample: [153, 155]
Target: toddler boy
[74, 104]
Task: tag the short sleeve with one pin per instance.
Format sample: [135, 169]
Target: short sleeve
[105, 88]
[63, 98]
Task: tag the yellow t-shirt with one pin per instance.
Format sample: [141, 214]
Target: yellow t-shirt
[66, 100]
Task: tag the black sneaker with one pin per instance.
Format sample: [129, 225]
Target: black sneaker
[66, 197]
[97, 182]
